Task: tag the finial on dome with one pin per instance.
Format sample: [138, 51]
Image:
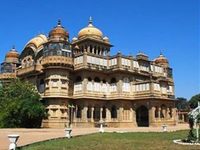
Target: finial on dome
[13, 48]
[161, 53]
[59, 22]
[90, 20]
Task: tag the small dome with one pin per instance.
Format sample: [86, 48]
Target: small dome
[38, 40]
[90, 31]
[12, 56]
[161, 60]
[58, 33]
[141, 55]
[106, 39]
[74, 38]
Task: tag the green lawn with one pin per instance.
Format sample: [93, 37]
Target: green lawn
[117, 141]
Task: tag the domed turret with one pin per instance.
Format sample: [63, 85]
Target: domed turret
[106, 39]
[58, 33]
[161, 60]
[142, 56]
[12, 56]
[74, 39]
[90, 31]
[37, 41]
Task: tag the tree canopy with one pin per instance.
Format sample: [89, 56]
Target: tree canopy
[193, 102]
[20, 105]
[182, 103]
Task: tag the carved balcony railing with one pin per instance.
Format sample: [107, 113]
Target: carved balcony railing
[7, 75]
[29, 69]
[57, 61]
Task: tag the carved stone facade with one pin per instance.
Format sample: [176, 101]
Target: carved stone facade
[80, 82]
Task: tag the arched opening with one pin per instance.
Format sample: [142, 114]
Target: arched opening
[163, 111]
[114, 112]
[78, 113]
[78, 79]
[142, 116]
[89, 112]
[96, 113]
[96, 79]
[113, 80]
[41, 86]
[104, 112]
[156, 112]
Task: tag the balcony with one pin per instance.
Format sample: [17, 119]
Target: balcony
[7, 75]
[30, 69]
[57, 61]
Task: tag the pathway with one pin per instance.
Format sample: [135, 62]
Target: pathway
[28, 136]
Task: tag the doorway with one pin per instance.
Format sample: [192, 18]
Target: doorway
[142, 116]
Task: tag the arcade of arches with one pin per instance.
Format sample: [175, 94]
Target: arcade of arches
[120, 113]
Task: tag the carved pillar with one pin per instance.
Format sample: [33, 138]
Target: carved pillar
[108, 115]
[92, 114]
[153, 114]
[167, 115]
[84, 114]
[101, 110]
[159, 109]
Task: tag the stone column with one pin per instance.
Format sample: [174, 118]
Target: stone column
[101, 110]
[159, 109]
[92, 49]
[119, 60]
[84, 114]
[119, 114]
[153, 114]
[84, 85]
[168, 116]
[88, 48]
[92, 114]
[108, 115]
[85, 58]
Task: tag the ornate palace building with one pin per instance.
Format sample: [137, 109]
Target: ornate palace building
[79, 81]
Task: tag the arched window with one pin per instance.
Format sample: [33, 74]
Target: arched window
[113, 112]
[89, 79]
[78, 79]
[113, 80]
[104, 81]
[113, 85]
[78, 113]
[96, 79]
[89, 112]
[41, 86]
[156, 112]
[163, 111]
[104, 112]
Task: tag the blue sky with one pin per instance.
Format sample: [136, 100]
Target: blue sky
[151, 26]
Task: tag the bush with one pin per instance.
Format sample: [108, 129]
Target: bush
[20, 106]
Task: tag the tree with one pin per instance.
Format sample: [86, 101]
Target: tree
[20, 105]
[182, 103]
[193, 102]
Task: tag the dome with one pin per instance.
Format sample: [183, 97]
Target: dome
[106, 39]
[161, 60]
[74, 38]
[90, 31]
[58, 33]
[12, 55]
[141, 55]
[38, 40]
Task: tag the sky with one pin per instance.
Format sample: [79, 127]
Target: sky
[150, 26]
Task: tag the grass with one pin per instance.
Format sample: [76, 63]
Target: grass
[117, 141]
